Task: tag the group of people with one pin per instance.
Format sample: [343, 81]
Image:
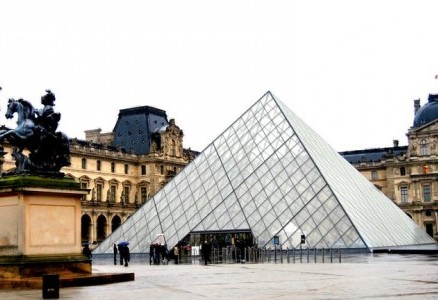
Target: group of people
[158, 253]
[124, 254]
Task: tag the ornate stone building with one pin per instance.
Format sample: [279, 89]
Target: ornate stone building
[409, 174]
[124, 168]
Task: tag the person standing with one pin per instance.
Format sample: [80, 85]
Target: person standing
[176, 254]
[126, 256]
[206, 251]
[115, 254]
[87, 252]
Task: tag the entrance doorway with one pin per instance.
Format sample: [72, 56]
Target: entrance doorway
[221, 239]
[85, 228]
[429, 229]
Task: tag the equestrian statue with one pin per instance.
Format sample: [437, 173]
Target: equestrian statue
[48, 149]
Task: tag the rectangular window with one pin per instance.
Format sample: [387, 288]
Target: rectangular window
[374, 175]
[404, 194]
[402, 171]
[424, 148]
[126, 168]
[98, 165]
[427, 193]
[143, 169]
[99, 188]
[113, 193]
[84, 185]
[84, 163]
[126, 194]
[144, 194]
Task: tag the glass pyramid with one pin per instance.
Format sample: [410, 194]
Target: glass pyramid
[271, 174]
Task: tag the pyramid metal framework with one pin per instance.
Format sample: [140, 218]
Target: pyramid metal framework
[270, 173]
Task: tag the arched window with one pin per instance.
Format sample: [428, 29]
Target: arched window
[115, 223]
[424, 148]
[85, 228]
[101, 228]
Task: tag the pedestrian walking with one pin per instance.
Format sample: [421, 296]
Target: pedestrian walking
[115, 254]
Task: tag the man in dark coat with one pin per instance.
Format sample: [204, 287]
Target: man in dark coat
[206, 251]
[115, 254]
[124, 254]
[120, 254]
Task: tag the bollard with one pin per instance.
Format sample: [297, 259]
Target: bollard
[293, 254]
[322, 255]
[314, 249]
[287, 254]
[51, 286]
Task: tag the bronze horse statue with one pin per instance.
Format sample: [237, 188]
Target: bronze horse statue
[49, 151]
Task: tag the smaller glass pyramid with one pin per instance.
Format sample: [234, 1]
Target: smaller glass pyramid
[269, 173]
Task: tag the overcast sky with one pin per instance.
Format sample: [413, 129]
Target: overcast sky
[350, 69]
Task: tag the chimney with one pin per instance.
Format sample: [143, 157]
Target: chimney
[416, 105]
[395, 143]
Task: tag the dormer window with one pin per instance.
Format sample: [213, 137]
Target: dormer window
[424, 148]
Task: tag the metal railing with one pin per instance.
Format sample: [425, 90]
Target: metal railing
[277, 255]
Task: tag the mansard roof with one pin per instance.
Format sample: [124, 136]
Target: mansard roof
[372, 155]
[135, 126]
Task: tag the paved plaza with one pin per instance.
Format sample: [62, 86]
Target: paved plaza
[380, 276]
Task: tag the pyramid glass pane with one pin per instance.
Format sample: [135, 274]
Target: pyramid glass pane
[270, 173]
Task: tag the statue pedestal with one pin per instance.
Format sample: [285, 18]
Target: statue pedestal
[40, 227]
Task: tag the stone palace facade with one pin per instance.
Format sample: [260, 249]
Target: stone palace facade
[408, 174]
[122, 169]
